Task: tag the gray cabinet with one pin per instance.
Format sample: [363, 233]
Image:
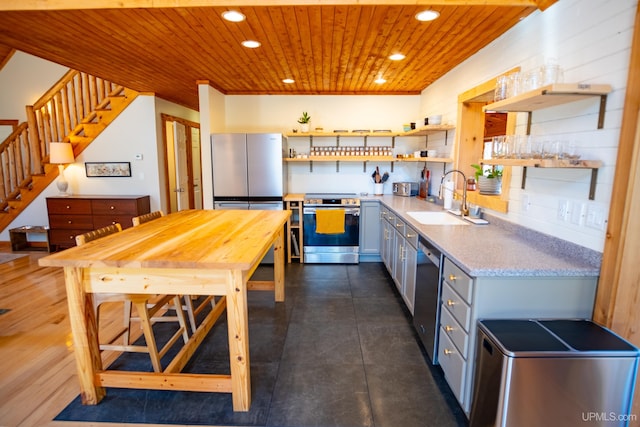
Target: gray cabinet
[400, 255]
[467, 299]
[370, 226]
[386, 238]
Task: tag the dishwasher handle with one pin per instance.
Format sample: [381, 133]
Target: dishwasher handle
[430, 252]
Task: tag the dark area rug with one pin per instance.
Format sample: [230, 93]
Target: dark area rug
[180, 407]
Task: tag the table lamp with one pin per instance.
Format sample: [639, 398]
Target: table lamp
[61, 153]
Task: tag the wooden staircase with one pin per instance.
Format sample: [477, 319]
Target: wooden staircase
[75, 110]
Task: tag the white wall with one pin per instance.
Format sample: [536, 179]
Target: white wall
[23, 80]
[591, 40]
[280, 114]
[213, 103]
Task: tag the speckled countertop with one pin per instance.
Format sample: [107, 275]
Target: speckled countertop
[499, 248]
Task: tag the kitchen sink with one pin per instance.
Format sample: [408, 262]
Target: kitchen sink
[436, 218]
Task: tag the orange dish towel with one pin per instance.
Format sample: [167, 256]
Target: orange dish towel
[330, 221]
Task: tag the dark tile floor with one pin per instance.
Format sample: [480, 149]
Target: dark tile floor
[351, 356]
[340, 352]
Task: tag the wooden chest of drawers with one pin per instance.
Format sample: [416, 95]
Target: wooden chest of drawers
[73, 215]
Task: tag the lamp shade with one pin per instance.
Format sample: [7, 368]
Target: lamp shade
[60, 153]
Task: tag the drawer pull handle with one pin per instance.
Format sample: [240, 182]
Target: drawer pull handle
[448, 328]
[452, 277]
[410, 236]
[451, 302]
[448, 352]
[398, 225]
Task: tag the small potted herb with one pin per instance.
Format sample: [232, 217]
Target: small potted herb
[489, 180]
[304, 121]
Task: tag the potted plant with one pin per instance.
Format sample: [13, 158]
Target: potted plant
[304, 122]
[490, 180]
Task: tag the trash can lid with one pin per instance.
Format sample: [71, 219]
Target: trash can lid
[516, 336]
[584, 335]
[559, 338]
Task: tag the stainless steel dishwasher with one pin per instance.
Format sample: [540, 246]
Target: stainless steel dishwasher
[426, 311]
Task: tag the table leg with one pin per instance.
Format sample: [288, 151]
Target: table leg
[85, 336]
[278, 267]
[238, 324]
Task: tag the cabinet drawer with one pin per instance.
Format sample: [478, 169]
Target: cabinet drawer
[83, 222]
[65, 238]
[458, 279]
[114, 207]
[398, 224]
[411, 235]
[455, 332]
[384, 212]
[65, 206]
[457, 307]
[453, 366]
[105, 220]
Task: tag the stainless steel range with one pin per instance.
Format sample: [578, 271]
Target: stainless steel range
[331, 228]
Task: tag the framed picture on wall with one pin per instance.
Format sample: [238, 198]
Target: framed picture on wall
[107, 169]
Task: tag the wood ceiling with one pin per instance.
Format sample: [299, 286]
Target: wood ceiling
[326, 48]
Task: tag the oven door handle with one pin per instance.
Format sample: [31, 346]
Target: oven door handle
[347, 211]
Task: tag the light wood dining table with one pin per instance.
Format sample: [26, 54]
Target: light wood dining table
[193, 252]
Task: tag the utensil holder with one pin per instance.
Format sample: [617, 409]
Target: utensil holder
[378, 189]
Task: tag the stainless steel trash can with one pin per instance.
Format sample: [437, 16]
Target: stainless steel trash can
[564, 373]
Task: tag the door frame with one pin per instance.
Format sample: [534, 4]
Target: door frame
[166, 118]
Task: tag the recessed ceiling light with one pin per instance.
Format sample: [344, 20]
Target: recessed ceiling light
[427, 15]
[397, 57]
[251, 44]
[233, 16]
[380, 80]
[288, 81]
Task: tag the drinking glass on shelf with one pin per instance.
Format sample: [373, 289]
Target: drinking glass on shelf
[500, 92]
[513, 84]
[523, 147]
[537, 147]
[552, 149]
[533, 80]
[497, 151]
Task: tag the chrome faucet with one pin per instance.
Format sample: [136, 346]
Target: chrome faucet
[464, 210]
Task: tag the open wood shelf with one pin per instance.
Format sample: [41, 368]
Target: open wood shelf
[548, 96]
[551, 96]
[425, 130]
[545, 163]
[368, 159]
[594, 165]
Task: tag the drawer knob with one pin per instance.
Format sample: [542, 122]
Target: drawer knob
[112, 207]
[448, 328]
[451, 302]
[452, 277]
[448, 352]
[69, 222]
[68, 207]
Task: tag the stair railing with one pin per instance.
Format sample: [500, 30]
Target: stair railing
[56, 116]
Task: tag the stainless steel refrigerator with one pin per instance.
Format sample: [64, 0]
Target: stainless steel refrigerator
[248, 171]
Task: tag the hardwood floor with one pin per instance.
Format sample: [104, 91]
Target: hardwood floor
[38, 374]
